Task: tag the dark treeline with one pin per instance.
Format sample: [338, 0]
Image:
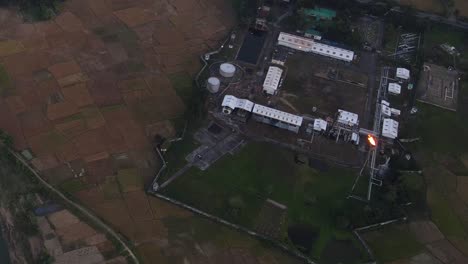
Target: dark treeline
[35, 9]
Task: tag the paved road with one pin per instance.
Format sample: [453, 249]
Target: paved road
[80, 208]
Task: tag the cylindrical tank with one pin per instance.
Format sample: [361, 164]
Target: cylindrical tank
[227, 70]
[213, 84]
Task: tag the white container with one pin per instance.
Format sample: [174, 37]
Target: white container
[213, 84]
[227, 70]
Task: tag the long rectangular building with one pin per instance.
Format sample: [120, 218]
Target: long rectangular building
[309, 45]
[272, 80]
[277, 118]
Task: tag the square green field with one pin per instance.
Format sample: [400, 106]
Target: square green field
[129, 180]
[259, 172]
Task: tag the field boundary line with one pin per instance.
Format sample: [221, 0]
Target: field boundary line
[232, 226]
[77, 206]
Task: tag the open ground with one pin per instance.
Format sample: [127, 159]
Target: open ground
[86, 92]
[327, 85]
[253, 188]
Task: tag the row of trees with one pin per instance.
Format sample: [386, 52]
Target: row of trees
[35, 9]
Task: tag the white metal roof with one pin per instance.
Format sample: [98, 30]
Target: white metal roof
[277, 114]
[385, 103]
[403, 73]
[394, 88]
[320, 124]
[308, 45]
[333, 52]
[347, 118]
[295, 42]
[233, 102]
[386, 110]
[272, 79]
[390, 128]
[395, 111]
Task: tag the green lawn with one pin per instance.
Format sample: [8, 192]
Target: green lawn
[72, 186]
[394, 243]
[129, 180]
[262, 171]
[443, 215]
[5, 82]
[183, 85]
[441, 131]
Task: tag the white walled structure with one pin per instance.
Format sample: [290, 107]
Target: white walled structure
[295, 42]
[386, 110]
[309, 45]
[272, 79]
[333, 52]
[320, 125]
[231, 103]
[394, 88]
[390, 128]
[277, 118]
[347, 118]
[227, 70]
[403, 73]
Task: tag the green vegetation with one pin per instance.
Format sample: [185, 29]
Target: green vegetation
[129, 180]
[111, 190]
[36, 9]
[183, 85]
[261, 171]
[394, 243]
[72, 186]
[443, 215]
[440, 130]
[5, 81]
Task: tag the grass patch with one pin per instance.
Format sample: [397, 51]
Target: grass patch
[72, 186]
[440, 130]
[443, 215]
[261, 171]
[111, 190]
[111, 108]
[5, 82]
[394, 243]
[183, 85]
[129, 180]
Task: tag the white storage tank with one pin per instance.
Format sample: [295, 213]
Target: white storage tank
[227, 70]
[213, 84]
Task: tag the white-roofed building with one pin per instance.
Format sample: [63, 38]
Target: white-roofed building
[385, 103]
[277, 118]
[394, 88]
[390, 128]
[272, 80]
[231, 103]
[347, 118]
[320, 125]
[295, 42]
[386, 110]
[395, 111]
[402, 73]
[308, 45]
[332, 52]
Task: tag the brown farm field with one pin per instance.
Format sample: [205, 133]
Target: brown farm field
[85, 93]
[462, 6]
